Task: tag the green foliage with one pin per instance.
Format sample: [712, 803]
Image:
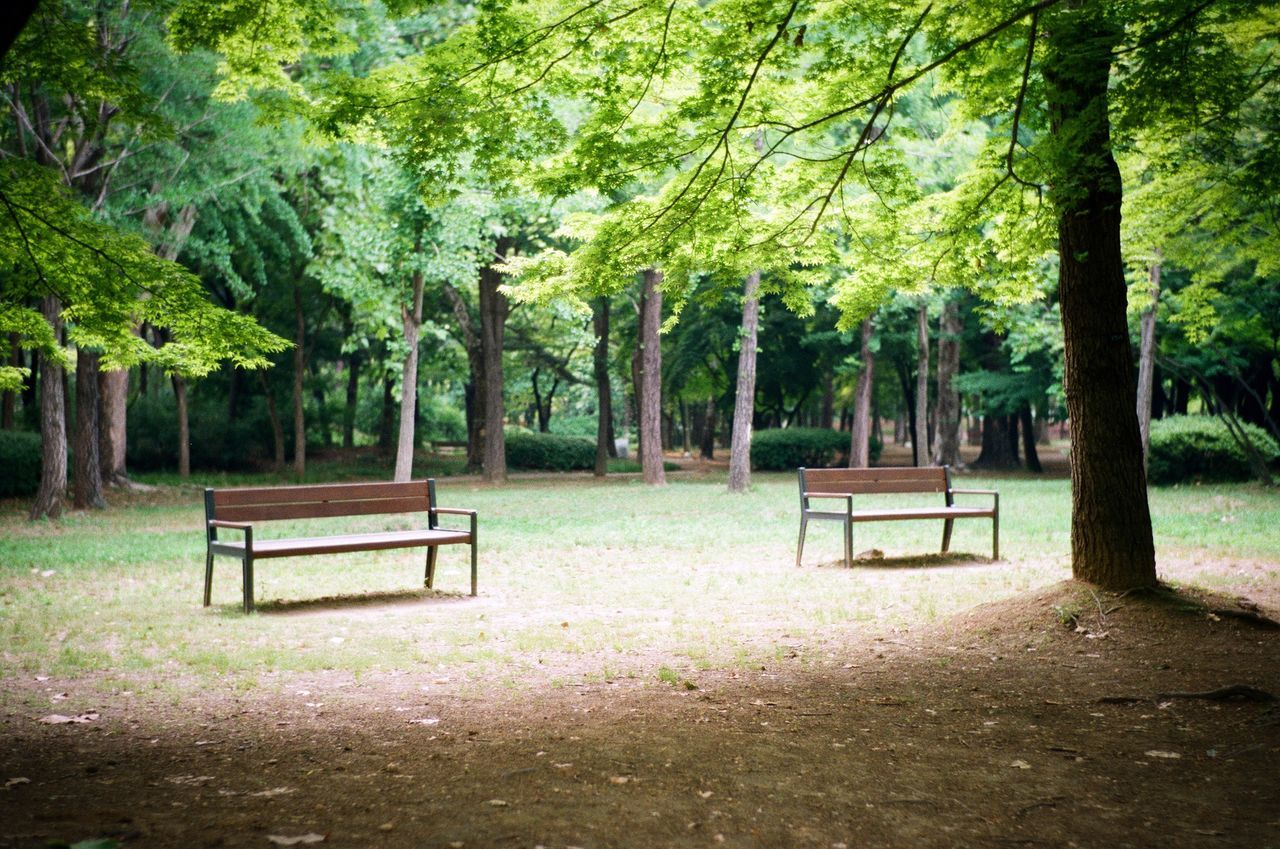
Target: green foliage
[216, 442]
[20, 460]
[1186, 448]
[439, 420]
[550, 452]
[789, 448]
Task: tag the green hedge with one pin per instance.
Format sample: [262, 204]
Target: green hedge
[216, 443]
[19, 463]
[790, 448]
[550, 452]
[1185, 448]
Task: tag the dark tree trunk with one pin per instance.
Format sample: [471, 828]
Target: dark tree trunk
[947, 450]
[387, 422]
[999, 443]
[909, 430]
[299, 371]
[1029, 440]
[494, 309]
[744, 399]
[87, 483]
[707, 446]
[53, 426]
[184, 427]
[473, 394]
[604, 392]
[352, 401]
[277, 427]
[920, 430]
[651, 380]
[860, 435]
[1111, 539]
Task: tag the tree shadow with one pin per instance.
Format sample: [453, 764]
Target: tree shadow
[914, 561]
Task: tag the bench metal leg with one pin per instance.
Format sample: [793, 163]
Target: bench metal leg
[430, 577]
[848, 545]
[208, 577]
[804, 523]
[995, 537]
[946, 535]
[474, 540]
[248, 582]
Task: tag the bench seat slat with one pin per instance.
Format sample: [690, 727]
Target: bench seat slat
[906, 513]
[873, 487]
[341, 543]
[242, 496]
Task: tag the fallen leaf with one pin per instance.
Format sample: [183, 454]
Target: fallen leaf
[619, 779]
[430, 720]
[59, 719]
[706, 794]
[48, 573]
[498, 803]
[1020, 764]
[14, 782]
[1157, 753]
[58, 697]
[283, 840]
[274, 791]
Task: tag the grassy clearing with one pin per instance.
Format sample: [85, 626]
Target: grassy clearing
[578, 579]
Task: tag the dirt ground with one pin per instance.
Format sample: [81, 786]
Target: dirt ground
[1060, 718]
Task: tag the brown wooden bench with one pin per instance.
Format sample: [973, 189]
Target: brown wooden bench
[847, 483]
[239, 509]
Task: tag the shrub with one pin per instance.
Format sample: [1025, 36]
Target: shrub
[792, 447]
[439, 421]
[19, 463]
[548, 451]
[216, 443]
[1187, 448]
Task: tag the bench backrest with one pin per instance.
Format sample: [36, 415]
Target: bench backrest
[320, 501]
[872, 481]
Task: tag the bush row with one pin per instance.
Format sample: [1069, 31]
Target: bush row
[1187, 448]
[20, 462]
[550, 451]
[789, 448]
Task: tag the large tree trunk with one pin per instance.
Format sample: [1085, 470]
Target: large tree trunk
[412, 317]
[87, 483]
[999, 443]
[113, 398]
[744, 399]
[1029, 439]
[707, 448]
[299, 370]
[53, 432]
[920, 438]
[860, 438]
[1147, 363]
[651, 380]
[184, 427]
[947, 449]
[494, 309]
[1111, 539]
[604, 392]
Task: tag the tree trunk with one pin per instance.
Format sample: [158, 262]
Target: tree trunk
[113, 401]
[604, 392]
[707, 449]
[87, 482]
[999, 443]
[277, 427]
[947, 449]
[473, 393]
[860, 438]
[412, 318]
[53, 433]
[744, 399]
[184, 427]
[1029, 440]
[651, 381]
[494, 309]
[1111, 541]
[299, 368]
[1147, 363]
[352, 400]
[386, 422]
[920, 438]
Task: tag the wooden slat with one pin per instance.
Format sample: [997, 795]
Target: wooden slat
[322, 509]
[316, 492]
[876, 480]
[874, 487]
[352, 542]
[888, 473]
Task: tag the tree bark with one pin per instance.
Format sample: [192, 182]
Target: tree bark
[860, 438]
[299, 368]
[411, 315]
[87, 482]
[947, 449]
[744, 399]
[1147, 363]
[113, 397]
[999, 443]
[277, 427]
[651, 380]
[53, 434]
[386, 421]
[920, 438]
[1029, 440]
[604, 392]
[707, 448]
[184, 427]
[473, 392]
[1111, 540]
[352, 400]
[494, 309]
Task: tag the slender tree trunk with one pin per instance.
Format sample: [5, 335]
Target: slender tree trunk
[184, 427]
[604, 392]
[860, 438]
[352, 401]
[494, 309]
[1029, 440]
[412, 318]
[707, 449]
[299, 370]
[113, 398]
[920, 438]
[651, 381]
[1147, 363]
[277, 427]
[744, 399]
[386, 422]
[947, 450]
[473, 392]
[53, 433]
[1111, 540]
[87, 482]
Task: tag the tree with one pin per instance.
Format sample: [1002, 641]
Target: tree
[745, 394]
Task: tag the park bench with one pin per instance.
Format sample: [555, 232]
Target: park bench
[847, 483]
[239, 509]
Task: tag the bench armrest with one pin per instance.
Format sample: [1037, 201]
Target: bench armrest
[848, 498]
[975, 492]
[235, 526]
[456, 511]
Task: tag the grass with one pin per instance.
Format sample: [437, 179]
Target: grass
[576, 576]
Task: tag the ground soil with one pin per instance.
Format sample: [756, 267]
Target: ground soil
[1060, 718]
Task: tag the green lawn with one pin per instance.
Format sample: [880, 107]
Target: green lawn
[578, 578]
